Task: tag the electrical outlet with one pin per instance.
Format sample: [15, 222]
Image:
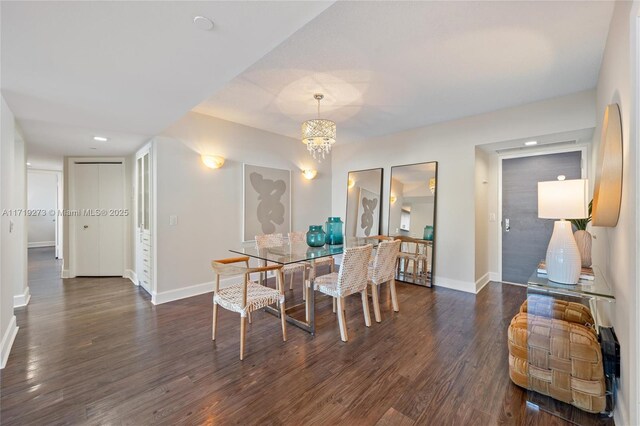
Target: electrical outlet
[173, 220]
[492, 217]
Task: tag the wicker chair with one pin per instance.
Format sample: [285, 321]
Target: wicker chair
[382, 271]
[554, 350]
[246, 296]
[277, 240]
[351, 279]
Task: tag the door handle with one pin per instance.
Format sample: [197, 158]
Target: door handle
[86, 226]
[507, 227]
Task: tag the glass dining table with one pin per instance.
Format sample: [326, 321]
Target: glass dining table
[301, 253]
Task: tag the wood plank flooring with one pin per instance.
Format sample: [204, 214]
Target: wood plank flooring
[96, 351]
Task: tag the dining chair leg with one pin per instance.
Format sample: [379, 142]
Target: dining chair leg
[365, 307]
[342, 322]
[215, 321]
[243, 326]
[376, 303]
[249, 315]
[283, 318]
[394, 295]
[291, 281]
[334, 305]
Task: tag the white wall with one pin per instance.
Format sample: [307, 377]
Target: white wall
[452, 144]
[482, 170]
[620, 257]
[12, 230]
[208, 202]
[42, 195]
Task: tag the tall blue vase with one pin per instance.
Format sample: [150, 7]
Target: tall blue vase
[428, 233]
[334, 231]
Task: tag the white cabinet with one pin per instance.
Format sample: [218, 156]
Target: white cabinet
[144, 206]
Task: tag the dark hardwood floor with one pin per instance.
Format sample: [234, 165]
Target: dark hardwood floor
[96, 351]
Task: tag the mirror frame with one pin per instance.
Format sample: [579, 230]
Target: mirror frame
[381, 196]
[435, 217]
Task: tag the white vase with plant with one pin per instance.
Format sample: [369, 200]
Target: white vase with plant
[583, 237]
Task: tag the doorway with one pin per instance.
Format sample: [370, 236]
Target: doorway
[525, 237]
[44, 198]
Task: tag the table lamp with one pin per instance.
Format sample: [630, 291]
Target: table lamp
[563, 199]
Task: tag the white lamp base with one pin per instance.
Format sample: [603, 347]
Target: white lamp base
[563, 257]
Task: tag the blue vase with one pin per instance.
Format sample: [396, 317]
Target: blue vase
[334, 231]
[428, 233]
[315, 236]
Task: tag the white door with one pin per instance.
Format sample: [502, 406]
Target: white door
[42, 198]
[99, 224]
[111, 225]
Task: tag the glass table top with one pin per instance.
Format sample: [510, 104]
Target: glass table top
[300, 252]
[597, 287]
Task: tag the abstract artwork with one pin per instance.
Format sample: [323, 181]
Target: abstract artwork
[368, 214]
[267, 201]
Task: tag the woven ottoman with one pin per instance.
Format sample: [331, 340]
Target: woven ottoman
[557, 357]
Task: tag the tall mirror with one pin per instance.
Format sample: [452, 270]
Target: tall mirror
[364, 191]
[412, 219]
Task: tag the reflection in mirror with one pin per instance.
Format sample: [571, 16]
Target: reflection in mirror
[364, 188]
[412, 218]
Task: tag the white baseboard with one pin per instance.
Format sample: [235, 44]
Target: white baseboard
[189, 291]
[481, 282]
[131, 274]
[20, 300]
[65, 274]
[37, 244]
[494, 276]
[467, 287]
[8, 337]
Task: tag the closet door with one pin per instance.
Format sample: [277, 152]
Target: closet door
[111, 228]
[99, 221]
[87, 226]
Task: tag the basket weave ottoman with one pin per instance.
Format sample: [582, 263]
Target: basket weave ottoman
[557, 357]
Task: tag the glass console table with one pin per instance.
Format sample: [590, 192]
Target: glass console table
[546, 355]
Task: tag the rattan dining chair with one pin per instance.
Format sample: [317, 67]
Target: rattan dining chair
[351, 279]
[246, 296]
[384, 270]
[277, 240]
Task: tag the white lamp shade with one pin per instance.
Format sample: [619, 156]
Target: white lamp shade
[563, 199]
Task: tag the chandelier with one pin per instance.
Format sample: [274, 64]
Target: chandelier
[319, 134]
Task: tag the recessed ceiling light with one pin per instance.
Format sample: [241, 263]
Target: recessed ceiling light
[28, 164]
[531, 143]
[100, 138]
[203, 23]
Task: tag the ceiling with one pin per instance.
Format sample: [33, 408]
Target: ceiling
[126, 70]
[385, 67]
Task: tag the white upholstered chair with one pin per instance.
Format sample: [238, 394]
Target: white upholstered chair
[277, 240]
[352, 278]
[246, 296]
[384, 270]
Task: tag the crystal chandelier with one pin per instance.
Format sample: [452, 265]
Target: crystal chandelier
[319, 134]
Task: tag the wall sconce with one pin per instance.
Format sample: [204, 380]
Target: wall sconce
[213, 161]
[432, 185]
[393, 199]
[350, 183]
[309, 173]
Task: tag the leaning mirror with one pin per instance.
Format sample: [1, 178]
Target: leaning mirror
[364, 189]
[412, 219]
